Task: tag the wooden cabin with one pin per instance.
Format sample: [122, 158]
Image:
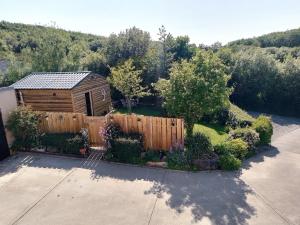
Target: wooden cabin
[81, 92]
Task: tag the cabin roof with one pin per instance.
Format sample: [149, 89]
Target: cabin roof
[51, 80]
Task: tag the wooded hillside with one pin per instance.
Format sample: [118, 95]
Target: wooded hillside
[265, 71]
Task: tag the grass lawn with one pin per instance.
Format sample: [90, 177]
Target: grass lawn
[142, 110]
[215, 132]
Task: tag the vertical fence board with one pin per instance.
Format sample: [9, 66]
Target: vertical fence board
[159, 133]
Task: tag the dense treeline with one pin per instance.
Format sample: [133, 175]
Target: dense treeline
[263, 82]
[265, 71]
[290, 38]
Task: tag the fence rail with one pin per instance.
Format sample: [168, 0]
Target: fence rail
[159, 133]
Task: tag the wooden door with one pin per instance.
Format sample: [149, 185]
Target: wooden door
[4, 150]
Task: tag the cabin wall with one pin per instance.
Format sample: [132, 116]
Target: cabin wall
[46, 100]
[96, 85]
[8, 103]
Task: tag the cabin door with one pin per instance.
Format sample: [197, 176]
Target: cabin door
[4, 150]
[88, 103]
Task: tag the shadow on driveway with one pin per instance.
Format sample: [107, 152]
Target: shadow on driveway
[219, 196]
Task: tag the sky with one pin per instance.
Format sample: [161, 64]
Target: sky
[204, 21]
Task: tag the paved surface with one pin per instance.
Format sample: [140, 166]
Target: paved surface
[39, 189]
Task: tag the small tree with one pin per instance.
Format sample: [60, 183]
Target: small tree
[24, 124]
[126, 79]
[195, 88]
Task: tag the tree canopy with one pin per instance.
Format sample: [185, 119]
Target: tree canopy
[195, 88]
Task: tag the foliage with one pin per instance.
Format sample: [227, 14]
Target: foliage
[126, 149]
[229, 162]
[24, 124]
[237, 147]
[152, 155]
[197, 146]
[264, 70]
[110, 132]
[67, 143]
[267, 80]
[176, 159]
[215, 132]
[195, 88]
[264, 127]
[167, 56]
[288, 38]
[143, 110]
[232, 116]
[126, 79]
[250, 136]
[132, 43]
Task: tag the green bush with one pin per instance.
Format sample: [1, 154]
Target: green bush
[24, 124]
[177, 160]
[229, 162]
[64, 142]
[152, 155]
[232, 116]
[264, 127]
[236, 147]
[126, 149]
[250, 136]
[198, 145]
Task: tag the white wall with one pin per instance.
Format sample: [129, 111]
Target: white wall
[8, 102]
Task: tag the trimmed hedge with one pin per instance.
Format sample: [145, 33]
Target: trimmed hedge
[236, 147]
[67, 143]
[250, 136]
[229, 162]
[264, 127]
[198, 145]
[126, 149]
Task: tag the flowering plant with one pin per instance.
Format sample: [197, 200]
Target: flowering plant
[109, 133]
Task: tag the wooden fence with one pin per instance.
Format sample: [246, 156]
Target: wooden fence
[159, 133]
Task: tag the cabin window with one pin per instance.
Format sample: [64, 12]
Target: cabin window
[54, 94]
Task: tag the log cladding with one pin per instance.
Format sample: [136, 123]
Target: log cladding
[46, 100]
[99, 91]
[78, 92]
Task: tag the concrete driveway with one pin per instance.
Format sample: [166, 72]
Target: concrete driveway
[39, 189]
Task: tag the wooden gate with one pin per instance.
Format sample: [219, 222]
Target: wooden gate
[95, 125]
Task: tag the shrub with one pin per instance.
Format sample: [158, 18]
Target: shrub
[64, 142]
[229, 162]
[126, 149]
[176, 159]
[24, 124]
[110, 132]
[152, 155]
[250, 136]
[236, 147]
[198, 145]
[264, 127]
[232, 116]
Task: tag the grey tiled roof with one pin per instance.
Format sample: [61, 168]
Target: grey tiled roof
[51, 80]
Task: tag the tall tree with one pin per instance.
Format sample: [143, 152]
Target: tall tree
[126, 79]
[132, 43]
[167, 56]
[195, 88]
